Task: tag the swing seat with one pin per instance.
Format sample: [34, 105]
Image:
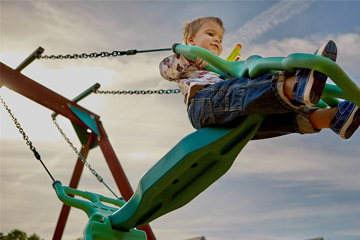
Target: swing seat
[190, 167]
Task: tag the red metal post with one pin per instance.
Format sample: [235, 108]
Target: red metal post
[64, 214]
[115, 167]
[118, 173]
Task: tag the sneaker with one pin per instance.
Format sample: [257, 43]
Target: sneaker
[309, 83]
[346, 120]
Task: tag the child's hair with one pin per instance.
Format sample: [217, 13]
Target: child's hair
[191, 28]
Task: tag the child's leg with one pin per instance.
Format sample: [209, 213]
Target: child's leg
[321, 118]
[275, 125]
[309, 84]
[344, 120]
[223, 102]
[288, 87]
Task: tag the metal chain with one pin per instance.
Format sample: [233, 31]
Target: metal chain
[103, 54]
[138, 92]
[25, 137]
[37, 155]
[86, 163]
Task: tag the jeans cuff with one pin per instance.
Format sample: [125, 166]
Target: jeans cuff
[280, 81]
[304, 125]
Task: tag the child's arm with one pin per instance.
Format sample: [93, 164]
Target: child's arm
[172, 67]
[200, 63]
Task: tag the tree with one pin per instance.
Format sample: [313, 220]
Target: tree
[18, 235]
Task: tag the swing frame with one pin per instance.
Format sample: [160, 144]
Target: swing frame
[70, 109]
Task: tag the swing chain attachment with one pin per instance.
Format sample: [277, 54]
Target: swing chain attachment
[138, 92]
[103, 54]
[26, 137]
[86, 163]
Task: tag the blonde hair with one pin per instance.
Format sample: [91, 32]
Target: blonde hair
[191, 28]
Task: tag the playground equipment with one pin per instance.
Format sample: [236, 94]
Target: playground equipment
[190, 167]
[87, 124]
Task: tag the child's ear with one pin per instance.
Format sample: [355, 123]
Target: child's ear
[190, 41]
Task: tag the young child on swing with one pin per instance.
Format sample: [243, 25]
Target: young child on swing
[286, 99]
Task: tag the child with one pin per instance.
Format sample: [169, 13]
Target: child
[287, 100]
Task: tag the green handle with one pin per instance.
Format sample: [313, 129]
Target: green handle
[255, 66]
[91, 203]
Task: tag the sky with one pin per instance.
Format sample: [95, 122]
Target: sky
[291, 187]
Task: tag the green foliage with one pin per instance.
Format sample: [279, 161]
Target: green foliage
[18, 235]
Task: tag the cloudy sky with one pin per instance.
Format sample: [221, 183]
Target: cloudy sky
[292, 187]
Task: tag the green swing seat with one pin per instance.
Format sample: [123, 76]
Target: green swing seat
[200, 158]
[191, 166]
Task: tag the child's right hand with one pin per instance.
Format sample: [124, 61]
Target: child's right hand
[200, 63]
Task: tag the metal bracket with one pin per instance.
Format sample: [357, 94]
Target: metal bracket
[82, 95]
[30, 59]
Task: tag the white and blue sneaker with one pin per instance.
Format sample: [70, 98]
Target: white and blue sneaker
[346, 120]
[309, 83]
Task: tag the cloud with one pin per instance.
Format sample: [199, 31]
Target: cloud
[59, 27]
[268, 20]
[319, 164]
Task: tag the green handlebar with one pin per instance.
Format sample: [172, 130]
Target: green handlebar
[91, 202]
[99, 226]
[255, 66]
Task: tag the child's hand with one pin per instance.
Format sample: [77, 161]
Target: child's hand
[201, 63]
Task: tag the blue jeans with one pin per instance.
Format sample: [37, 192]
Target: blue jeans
[228, 102]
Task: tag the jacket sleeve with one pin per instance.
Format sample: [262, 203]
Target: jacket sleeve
[172, 67]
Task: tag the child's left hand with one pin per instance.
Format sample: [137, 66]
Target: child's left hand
[201, 63]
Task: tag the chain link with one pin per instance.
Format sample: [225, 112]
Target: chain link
[25, 137]
[138, 92]
[102, 54]
[17, 124]
[86, 163]
[37, 155]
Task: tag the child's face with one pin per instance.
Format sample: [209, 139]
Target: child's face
[209, 36]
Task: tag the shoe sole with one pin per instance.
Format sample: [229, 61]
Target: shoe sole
[351, 126]
[317, 80]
